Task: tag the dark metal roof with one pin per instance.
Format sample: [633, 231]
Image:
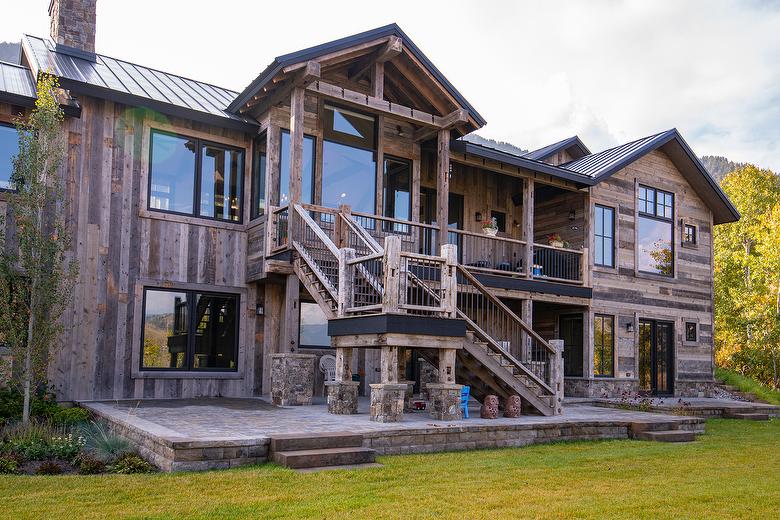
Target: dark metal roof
[478, 150]
[17, 84]
[550, 149]
[130, 83]
[613, 159]
[280, 62]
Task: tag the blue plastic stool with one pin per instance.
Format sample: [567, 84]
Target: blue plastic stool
[464, 400]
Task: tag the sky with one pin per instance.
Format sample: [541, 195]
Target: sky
[609, 71]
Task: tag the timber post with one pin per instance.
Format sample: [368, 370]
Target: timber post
[449, 280]
[392, 267]
[443, 184]
[556, 375]
[346, 280]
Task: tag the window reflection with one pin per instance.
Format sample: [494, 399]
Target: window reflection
[165, 329]
[9, 147]
[307, 176]
[655, 246]
[313, 327]
[172, 173]
[220, 185]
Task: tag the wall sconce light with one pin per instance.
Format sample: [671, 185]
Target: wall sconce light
[478, 216]
[630, 327]
[572, 215]
[259, 310]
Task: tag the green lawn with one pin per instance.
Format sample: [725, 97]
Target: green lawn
[732, 471]
[746, 384]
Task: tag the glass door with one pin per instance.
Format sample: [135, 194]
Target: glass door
[570, 328]
[656, 357]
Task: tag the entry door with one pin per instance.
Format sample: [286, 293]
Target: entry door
[656, 357]
[571, 334]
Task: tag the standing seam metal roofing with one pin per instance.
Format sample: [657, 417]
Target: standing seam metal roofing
[546, 151]
[128, 78]
[596, 164]
[16, 83]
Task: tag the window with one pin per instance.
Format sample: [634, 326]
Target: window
[9, 147]
[397, 188]
[603, 345]
[655, 253]
[258, 178]
[349, 159]
[605, 236]
[313, 327]
[188, 330]
[194, 177]
[690, 331]
[689, 237]
[307, 175]
[500, 220]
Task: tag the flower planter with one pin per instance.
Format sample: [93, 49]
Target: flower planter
[491, 232]
[556, 243]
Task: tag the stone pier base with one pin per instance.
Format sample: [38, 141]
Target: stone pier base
[292, 379]
[342, 397]
[409, 396]
[387, 402]
[444, 401]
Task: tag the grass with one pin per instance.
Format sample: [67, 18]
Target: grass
[731, 472]
[746, 384]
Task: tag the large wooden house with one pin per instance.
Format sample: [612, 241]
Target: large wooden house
[228, 240]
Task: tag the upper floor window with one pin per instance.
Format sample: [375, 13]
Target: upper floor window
[605, 236]
[258, 178]
[349, 159]
[307, 176]
[9, 147]
[689, 237]
[655, 252]
[188, 330]
[397, 191]
[195, 177]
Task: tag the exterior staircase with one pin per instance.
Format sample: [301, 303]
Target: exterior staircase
[483, 363]
[661, 431]
[302, 451]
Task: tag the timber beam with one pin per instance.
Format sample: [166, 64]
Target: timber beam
[449, 121]
[300, 78]
[392, 48]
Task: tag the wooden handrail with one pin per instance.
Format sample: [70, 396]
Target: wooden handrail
[317, 230]
[488, 237]
[395, 220]
[362, 233]
[564, 249]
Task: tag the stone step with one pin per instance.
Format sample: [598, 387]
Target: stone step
[747, 416]
[653, 426]
[299, 442]
[325, 457]
[667, 436]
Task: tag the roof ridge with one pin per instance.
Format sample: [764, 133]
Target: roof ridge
[48, 41]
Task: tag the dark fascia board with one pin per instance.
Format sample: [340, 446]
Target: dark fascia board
[397, 324]
[669, 136]
[163, 108]
[566, 144]
[311, 53]
[28, 102]
[538, 286]
[582, 181]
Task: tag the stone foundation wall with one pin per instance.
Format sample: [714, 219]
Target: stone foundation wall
[578, 387]
[694, 388]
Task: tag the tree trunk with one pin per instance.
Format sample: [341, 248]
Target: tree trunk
[29, 371]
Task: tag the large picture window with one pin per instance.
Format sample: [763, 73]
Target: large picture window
[189, 330]
[605, 236]
[307, 176]
[9, 147]
[195, 177]
[313, 327]
[603, 345]
[655, 252]
[349, 159]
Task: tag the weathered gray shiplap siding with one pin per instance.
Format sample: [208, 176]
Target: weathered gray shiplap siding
[121, 247]
[630, 295]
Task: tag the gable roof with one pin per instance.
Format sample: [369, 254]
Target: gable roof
[16, 84]
[125, 82]
[312, 53]
[574, 143]
[602, 165]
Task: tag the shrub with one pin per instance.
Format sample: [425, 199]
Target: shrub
[130, 463]
[103, 443]
[70, 416]
[40, 440]
[9, 465]
[49, 467]
[66, 446]
[89, 464]
[43, 405]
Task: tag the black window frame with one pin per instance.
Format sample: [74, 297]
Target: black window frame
[191, 326]
[694, 235]
[256, 192]
[278, 194]
[611, 237]
[695, 331]
[661, 218]
[611, 318]
[500, 217]
[198, 176]
[10, 190]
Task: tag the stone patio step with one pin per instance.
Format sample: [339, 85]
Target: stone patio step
[652, 426]
[300, 442]
[325, 457]
[747, 416]
[667, 436]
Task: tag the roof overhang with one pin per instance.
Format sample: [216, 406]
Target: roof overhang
[573, 145]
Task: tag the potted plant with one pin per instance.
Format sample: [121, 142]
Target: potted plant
[555, 240]
[490, 226]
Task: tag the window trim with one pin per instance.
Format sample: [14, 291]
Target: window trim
[685, 242]
[685, 322]
[612, 371]
[189, 352]
[375, 143]
[10, 125]
[654, 216]
[201, 142]
[613, 265]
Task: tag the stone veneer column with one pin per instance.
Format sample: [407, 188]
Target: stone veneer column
[444, 401]
[292, 379]
[409, 396]
[387, 402]
[342, 397]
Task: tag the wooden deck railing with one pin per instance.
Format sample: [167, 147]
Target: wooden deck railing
[558, 264]
[480, 252]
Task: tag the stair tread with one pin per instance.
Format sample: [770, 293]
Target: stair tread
[667, 436]
[322, 451]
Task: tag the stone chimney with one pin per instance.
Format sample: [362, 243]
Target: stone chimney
[73, 23]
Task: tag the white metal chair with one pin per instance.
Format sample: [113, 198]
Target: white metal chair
[328, 367]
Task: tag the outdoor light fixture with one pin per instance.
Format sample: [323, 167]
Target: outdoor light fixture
[572, 214]
[259, 310]
[630, 326]
[478, 216]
